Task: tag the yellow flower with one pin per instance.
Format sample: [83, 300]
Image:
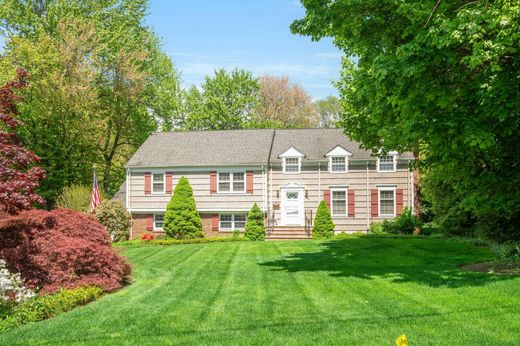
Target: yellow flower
[401, 341]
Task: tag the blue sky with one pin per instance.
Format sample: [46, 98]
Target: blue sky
[202, 35]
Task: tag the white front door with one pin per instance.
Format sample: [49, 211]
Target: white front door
[292, 207]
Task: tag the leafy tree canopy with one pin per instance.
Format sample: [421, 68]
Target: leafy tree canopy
[435, 77]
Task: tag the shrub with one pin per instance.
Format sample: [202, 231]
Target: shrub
[508, 253]
[171, 241]
[323, 225]
[255, 228]
[182, 220]
[12, 289]
[429, 229]
[44, 307]
[75, 197]
[147, 236]
[376, 227]
[404, 223]
[60, 248]
[116, 219]
[236, 233]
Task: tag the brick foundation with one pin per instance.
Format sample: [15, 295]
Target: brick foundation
[139, 226]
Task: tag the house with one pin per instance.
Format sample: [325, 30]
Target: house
[286, 172]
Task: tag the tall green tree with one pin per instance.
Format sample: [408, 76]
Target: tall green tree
[439, 78]
[228, 100]
[100, 84]
[182, 220]
[329, 109]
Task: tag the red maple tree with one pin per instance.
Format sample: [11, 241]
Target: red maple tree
[18, 180]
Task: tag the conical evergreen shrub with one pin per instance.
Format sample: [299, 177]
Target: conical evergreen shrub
[323, 225]
[255, 228]
[182, 220]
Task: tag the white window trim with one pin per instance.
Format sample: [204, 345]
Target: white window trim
[299, 164]
[163, 192]
[157, 229]
[330, 164]
[332, 204]
[232, 222]
[394, 155]
[231, 188]
[385, 188]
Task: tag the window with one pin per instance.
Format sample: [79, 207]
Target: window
[158, 221]
[386, 163]
[231, 182]
[339, 202]
[291, 165]
[229, 222]
[158, 183]
[338, 164]
[387, 202]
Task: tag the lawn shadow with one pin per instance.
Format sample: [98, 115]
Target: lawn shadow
[428, 262]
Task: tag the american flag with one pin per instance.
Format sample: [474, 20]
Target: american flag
[96, 197]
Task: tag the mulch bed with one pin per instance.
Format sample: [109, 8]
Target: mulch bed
[491, 268]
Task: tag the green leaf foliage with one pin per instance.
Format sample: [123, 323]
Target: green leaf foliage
[439, 78]
[116, 219]
[182, 220]
[323, 226]
[255, 227]
[43, 307]
[75, 197]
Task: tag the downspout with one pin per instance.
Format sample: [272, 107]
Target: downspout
[319, 181]
[367, 199]
[127, 194]
[264, 190]
[270, 178]
[412, 187]
[127, 201]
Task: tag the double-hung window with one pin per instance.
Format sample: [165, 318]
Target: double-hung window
[338, 164]
[386, 163]
[158, 221]
[387, 202]
[158, 183]
[229, 222]
[339, 202]
[231, 182]
[291, 165]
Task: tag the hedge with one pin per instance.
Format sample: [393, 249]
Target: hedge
[180, 241]
[47, 306]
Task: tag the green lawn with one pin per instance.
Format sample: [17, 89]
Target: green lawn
[358, 291]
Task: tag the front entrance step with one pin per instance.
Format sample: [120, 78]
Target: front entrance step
[288, 233]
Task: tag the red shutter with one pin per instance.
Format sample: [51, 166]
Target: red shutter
[149, 222]
[212, 182]
[399, 201]
[351, 203]
[214, 222]
[326, 197]
[375, 203]
[169, 177]
[147, 183]
[249, 181]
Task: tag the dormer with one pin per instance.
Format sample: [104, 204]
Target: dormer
[388, 162]
[291, 161]
[338, 159]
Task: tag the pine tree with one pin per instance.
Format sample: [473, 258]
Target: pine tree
[323, 225]
[182, 220]
[255, 228]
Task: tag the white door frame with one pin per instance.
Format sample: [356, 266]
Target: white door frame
[286, 220]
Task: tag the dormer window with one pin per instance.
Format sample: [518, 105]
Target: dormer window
[338, 159]
[291, 165]
[338, 163]
[291, 161]
[387, 163]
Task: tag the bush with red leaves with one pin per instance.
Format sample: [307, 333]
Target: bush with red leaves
[61, 248]
[147, 236]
